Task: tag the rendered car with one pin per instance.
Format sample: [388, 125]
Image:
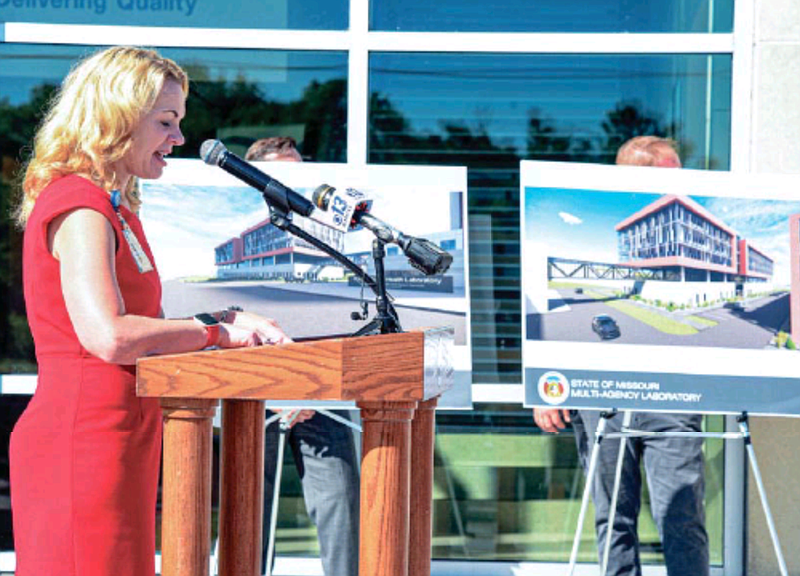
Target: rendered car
[578, 290]
[605, 326]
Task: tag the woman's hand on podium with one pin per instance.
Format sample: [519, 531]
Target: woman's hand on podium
[248, 329]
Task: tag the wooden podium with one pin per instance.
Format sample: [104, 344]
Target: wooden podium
[395, 379]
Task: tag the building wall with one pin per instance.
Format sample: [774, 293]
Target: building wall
[775, 147]
[689, 293]
[794, 265]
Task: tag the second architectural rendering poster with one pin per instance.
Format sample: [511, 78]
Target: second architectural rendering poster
[648, 288]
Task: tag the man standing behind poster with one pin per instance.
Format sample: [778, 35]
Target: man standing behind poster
[674, 466]
[323, 449]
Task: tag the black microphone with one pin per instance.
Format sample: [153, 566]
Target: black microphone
[276, 194]
[422, 254]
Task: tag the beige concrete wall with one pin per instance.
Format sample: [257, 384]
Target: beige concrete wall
[775, 147]
[776, 443]
[776, 118]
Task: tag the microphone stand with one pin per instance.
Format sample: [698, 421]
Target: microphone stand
[386, 320]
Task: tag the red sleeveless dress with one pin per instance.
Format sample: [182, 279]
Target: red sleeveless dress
[85, 454]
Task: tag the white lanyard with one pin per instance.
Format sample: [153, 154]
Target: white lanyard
[139, 255]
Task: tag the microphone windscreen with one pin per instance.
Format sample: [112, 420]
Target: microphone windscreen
[211, 150]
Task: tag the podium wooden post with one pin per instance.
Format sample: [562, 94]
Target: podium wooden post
[387, 375]
[421, 505]
[242, 480]
[385, 487]
[186, 494]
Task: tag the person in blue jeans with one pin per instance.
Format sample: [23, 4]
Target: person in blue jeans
[674, 466]
[323, 450]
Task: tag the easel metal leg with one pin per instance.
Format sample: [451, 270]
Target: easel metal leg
[276, 493]
[762, 493]
[587, 491]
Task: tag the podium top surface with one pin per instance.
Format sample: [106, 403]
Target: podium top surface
[410, 366]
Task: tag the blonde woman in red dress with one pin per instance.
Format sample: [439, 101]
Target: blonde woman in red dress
[85, 454]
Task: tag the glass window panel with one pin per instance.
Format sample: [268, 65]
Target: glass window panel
[266, 14]
[488, 112]
[563, 16]
[241, 95]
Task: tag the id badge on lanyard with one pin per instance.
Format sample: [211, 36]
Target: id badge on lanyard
[139, 255]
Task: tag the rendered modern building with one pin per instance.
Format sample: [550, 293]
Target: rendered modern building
[700, 258]
[678, 234]
[264, 251]
[754, 264]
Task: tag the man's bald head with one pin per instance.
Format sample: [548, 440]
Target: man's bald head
[649, 151]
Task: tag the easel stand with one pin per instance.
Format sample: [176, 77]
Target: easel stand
[625, 433]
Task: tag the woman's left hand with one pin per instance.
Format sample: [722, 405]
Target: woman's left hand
[267, 329]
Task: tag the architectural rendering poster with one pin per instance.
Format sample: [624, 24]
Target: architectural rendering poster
[215, 247]
[658, 289]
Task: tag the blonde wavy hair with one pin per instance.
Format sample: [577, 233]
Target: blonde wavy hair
[89, 122]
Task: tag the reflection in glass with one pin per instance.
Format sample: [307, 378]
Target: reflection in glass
[504, 491]
[554, 107]
[563, 16]
[239, 96]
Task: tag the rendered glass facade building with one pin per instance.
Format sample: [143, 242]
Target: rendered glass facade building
[266, 251]
[228, 253]
[754, 264]
[678, 234]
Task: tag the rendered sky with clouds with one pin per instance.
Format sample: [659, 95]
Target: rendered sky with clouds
[580, 223]
[184, 223]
